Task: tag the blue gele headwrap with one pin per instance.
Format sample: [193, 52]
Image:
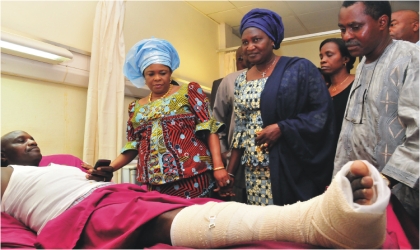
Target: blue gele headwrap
[147, 52]
[267, 21]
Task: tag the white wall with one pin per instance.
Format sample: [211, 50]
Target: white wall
[307, 48]
[65, 22]
[55, 113]
[194, 36]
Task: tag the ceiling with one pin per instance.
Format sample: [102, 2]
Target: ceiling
[299, 17]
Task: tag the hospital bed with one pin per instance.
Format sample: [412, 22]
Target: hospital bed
[401, 234]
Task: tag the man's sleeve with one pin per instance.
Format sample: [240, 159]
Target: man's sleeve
[213, 93]
[403, 165]
[221, 112]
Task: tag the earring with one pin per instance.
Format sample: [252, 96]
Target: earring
[273, 46]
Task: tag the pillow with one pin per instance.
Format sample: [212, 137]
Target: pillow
[62, 159]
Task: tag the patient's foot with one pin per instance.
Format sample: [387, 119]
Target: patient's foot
[361, 183]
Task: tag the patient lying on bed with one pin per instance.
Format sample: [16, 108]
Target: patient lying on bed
[69, 211]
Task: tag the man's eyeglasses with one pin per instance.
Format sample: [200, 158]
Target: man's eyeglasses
[353, 115]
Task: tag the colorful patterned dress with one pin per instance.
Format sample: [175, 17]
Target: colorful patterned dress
[247, 122]
[168, 135]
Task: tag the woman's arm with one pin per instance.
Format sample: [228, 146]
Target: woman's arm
[123, 159]
[105, 173]
[219, 172]
[234, 162]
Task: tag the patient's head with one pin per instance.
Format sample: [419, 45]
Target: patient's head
[19, 148]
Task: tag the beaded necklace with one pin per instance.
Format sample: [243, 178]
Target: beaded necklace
[169, 90]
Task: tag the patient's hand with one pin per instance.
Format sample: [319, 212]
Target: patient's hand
[361, 183]
[104, 173]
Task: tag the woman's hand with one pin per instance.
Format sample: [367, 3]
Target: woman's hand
[268, 136]
[222, 177]
[224, 182]
[226, 190]
[104, 173]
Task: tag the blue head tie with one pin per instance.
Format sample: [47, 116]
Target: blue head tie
[147, 52]
[266, 20]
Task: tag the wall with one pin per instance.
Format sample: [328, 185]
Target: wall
[70, 23]
[64, 22]
[307, 48]
[193, 35]
[55, 113]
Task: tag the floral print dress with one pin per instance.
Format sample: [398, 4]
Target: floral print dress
[168, 135]
[247, 123]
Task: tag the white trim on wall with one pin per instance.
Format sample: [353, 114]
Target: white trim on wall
[74, 72]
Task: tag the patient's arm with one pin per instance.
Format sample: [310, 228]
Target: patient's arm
[6, 172]
[105, 173]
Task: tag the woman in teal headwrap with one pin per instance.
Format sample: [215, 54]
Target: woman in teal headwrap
[171, 130]
[284, 120]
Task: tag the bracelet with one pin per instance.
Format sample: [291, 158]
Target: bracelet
[388, 183]
[218, 168]
[231, 175]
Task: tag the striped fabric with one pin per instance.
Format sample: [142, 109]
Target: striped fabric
[81, 198]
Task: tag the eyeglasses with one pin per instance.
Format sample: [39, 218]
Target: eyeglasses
[356, 101]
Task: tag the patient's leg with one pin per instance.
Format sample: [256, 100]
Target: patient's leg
[329, 220]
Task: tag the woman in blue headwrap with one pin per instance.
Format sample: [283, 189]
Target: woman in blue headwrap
[171, 130]
[284, 119]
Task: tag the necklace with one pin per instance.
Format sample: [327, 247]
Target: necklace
[334, 88]
[169, 90]
[265, 71]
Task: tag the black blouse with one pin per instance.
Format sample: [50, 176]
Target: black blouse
[340, 102]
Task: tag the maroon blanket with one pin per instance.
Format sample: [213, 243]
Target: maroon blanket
[101, 222]
[111, 217]
[14, 234]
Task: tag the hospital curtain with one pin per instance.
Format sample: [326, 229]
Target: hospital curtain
[105, 99]
[230, 62]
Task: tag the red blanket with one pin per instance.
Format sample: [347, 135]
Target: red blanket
[100, 221]
[14, 234]
[111, 217]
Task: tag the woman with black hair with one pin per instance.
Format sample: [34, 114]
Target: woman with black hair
[336, 63]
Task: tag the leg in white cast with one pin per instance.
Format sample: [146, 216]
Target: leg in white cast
[329, 220]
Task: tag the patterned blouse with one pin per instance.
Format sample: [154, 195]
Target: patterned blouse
[248, 120]
[168, 135]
